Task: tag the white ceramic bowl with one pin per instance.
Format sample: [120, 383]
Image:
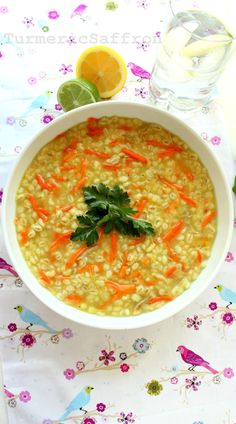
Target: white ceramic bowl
[146, 113]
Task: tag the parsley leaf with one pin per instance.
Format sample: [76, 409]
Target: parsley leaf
[109, 208]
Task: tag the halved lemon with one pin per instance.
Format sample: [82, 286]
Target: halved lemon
[104, 67]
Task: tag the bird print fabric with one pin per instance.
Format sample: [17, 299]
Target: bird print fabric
[194, 359]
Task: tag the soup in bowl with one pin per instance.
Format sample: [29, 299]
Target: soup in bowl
[116, 214]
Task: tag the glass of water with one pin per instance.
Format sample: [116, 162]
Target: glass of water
[198, 41]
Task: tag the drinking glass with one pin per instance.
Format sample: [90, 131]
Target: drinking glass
[198, 41]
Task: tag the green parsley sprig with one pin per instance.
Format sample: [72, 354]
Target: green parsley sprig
[109, 208]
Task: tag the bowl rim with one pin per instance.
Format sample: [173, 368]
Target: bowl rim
[112, 322]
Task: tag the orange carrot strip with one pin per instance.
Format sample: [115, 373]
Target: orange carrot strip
[145, 261]
[111, 167]
[173, 231]
[172, 253]
[199, 256]
[71, 147]
[115, 142]
[78, 185]
[44, 277]
[159, 299]
[208, 218]
[83, 168]
[122, 270]
[75, 298]
[69, 157]
[100, 235]
[42, 213]
[127, 166]
[67, 208]
[140, 207]
[134, 155]
[121, 289]
[164, 146]
[172, 205]
[113, 248]
[170, 271]
[137, 240]
[93, 152]
[125, 128]
[59, 240]
[73, 258]
[24, 235]
[188, 200]
[188, 174]
[68, 167]
[94, 132]
[166, 153]
[149, 283]
[170, 184]
[85, 268]
[100, 266]
[134, 274]
[41, 181]
[57, 177]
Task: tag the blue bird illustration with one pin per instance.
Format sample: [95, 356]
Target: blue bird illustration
[39, 102]
[226, 294]
[78, 402]
[32, 319]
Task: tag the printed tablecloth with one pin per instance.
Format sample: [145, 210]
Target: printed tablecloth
[138, 376]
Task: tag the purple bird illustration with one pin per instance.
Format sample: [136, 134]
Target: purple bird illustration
[138, 71]
[7, 267]
[79, 10]
[195, 360]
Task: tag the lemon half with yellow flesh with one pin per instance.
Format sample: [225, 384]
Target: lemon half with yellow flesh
[104, 67]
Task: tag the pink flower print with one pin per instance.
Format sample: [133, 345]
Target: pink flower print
[80, 365]
[158, 34]
[58, 106]
[143, 3]
[47, 118]
[65, 69]
[227, 318]
[12, 327]
[126, 419]
[71, 40]
[4, 9]
[192, 383]
[28, 22]
[1, 55]
[67, 333]
[100, 407]
[194, 322]
[10, 120]
[228, 373]
[25, 396]
[174, 380]
[143, 45]
[123, 356]
[106, 357]
[141, 92]
[27, 340]
[53, 14]
[213, 306]
[124, 367]
[89, 420]
[229, 257]
[1, 194]
[69, 373]
[215, 140]
[32, 80]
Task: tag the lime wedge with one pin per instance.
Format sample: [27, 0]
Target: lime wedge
[77, 92]
[206, 45]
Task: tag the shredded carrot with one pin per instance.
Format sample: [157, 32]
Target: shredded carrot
[73, 258]
[168, 183]
[208, 218]
[93, 152]
[115, 142]
[44, 277]
[171, 253]
[125, 128]
[137, 240]
[199, 256]
[140, 207]
[166, 153]
[173, 231]
[170, 271]
[78, 185]
[159, 299]
[113, 248]
[134, 155]
[136, 186]
[68, 167]
[149, 283]
[61, 238]
[24, 235]
[58, 177]
[93, 127]
[100, 266]
[112, 167]
[121, 290]
[100, 235]
[42, 213]
[75, 298]
[164, 146]
[128, 169]
[71, 147]
[69, 157]
[123, 267]
[83, 168]
[41, 181]
[188, 200]
[67, 208]
[134, 274]
[188, 174]
[172, 205]
[145, 261]
[86, 268]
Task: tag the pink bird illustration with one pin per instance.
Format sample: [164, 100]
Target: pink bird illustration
[7, 267]
[7, 393]
[138, 71]
[195, 360]
[79, 10]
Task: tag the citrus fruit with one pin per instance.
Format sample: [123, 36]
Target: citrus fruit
[104, 67]
[77, 92]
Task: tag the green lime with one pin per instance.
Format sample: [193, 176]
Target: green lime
[77, 92]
